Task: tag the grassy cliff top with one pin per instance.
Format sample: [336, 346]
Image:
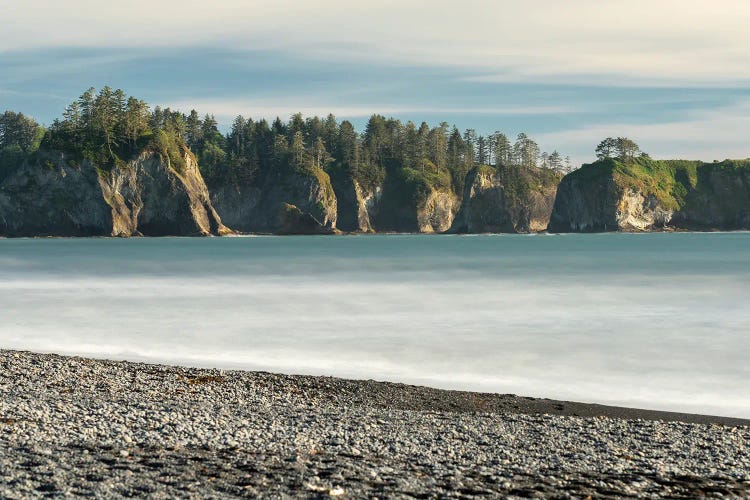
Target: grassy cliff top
[668, 180]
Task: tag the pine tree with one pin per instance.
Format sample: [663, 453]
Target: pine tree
[194, 130]
[503, 150]
[470, 137]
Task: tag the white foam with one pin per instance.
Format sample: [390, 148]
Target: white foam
[663, 341]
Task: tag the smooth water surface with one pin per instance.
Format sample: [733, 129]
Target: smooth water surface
[650, 320]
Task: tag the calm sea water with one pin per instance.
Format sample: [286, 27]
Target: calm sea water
[650, 320]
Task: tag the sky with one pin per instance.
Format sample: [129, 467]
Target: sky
[674, 75]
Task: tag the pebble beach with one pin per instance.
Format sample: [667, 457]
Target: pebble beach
[82, 427]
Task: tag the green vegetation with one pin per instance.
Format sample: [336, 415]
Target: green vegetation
[171, 147]
[20, 137]
[415, 185]
[110, 128]
[519, 183]
[621, 148]
[669, 181]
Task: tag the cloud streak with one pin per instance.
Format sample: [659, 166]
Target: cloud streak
[705, 135]
[284, 107]
[596, 41]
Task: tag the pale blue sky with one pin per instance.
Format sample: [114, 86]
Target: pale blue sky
[673, 75]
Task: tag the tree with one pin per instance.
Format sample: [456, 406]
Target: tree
[105, 119]
[455, 148]
[555, 161]
[136, 119]
[525, 151]
[176, 126]
[108, 127]
[210, 128]
[607, 148]
[423, 139]
[437, 145]
[296, 124]
[545, 160]
[503, 149]
[300, 157]
[621, 148]
[627, 149]
[481, 150]
[236, 140]
[86, 105]
[470, 139]
[330, 133]
[193, 130]
[19, 131]
[375, 140]
[321, 158]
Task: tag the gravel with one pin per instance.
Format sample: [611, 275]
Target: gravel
[75, 426]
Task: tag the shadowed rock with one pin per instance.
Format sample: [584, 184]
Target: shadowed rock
[506, 200]
[58, 196]
[646, 195]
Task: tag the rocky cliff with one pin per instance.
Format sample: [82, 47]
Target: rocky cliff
[155, 194]
[356, 205]
[646, 195]
[416, 201]
[720, 198]
[506, 200]
[54, 195]
[283, 202]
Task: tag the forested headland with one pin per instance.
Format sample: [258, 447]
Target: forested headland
[109, 127]
[163, 171]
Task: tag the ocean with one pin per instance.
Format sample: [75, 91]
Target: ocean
[658, 321]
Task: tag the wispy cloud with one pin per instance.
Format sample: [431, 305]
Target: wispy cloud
[643, 41]
[674, 80]
[284, 107]
[706, 135]
[568, 73]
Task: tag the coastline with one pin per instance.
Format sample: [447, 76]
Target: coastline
[239, 234]
[125, 428]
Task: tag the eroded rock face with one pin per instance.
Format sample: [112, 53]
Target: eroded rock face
[146, 196]
[494, 203]
[721, 202]
[716, 197]
[608, 208]
[639, 212]
[356, 206]
[53, 199]
[436, 213]
[585, 206]
[605, 206]
[402, 208]
[256, 209]
[150, 197]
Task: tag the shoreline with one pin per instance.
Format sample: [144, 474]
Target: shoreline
[384, 233]
[419, 397]
[77, 426]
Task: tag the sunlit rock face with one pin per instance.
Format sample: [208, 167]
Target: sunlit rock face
[648, 195]
[59, 196]
[356, 205]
